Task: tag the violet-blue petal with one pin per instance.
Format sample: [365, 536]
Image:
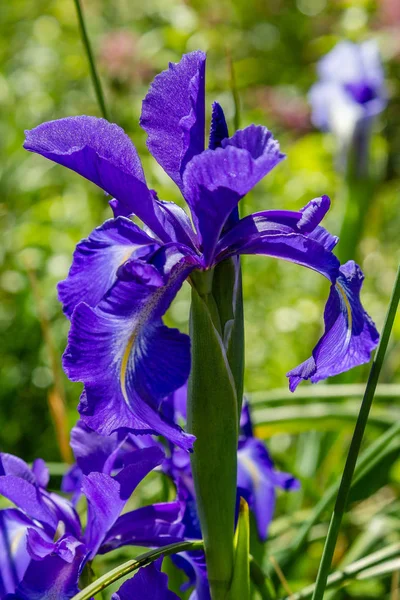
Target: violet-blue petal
[246, 425]
[293, 247]
[14, 557]
[39, 545]
[149, 583]
[104, 154]
[153, 526]
[107, 496]
[257, 480]
[350, 335]
[350, 88]
[193, 564]
[177, 224]
[53, 577]
[97, 259]
[215, 180]
[219, 132]
[128, 360]
[219, 128]
[350, 62]
[41, 472]
[13, 465]
[28, 498]
[173, 114]
[90, 449]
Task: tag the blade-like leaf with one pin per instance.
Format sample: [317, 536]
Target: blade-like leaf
[133, 565]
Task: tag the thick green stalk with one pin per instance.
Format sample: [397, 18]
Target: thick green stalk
[133, 565]
[345, 485]
[212, 418]
[92, 64]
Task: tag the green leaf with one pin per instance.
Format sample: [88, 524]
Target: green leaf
[133, 565]
[212, 418]
[240, 587]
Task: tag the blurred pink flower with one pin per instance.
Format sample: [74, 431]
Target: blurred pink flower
[120, 57]
[389, 12]
[291, 112]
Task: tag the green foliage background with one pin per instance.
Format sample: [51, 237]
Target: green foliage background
[45, 209]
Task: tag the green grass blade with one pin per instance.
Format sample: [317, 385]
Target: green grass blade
[368, 460]
[370, 566]
[317, 416]
[312, 393]
[92, 64]
[345, 485]
[133, 565]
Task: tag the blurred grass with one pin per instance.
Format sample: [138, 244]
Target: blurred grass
[45, 209]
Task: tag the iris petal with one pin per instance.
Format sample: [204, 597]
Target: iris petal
[215, 180]
[97, 259]
[173, 114]
[128, 360]
[149, 583]
[350, 335]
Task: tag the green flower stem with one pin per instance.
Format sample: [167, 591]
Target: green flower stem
[133, 565]
[345, 485]
[92, 64]
[360, 569]
[212, 418]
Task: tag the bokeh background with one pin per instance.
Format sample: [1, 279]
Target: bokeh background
[266, 52]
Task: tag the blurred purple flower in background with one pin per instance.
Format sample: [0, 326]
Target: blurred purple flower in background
[349, 95]
[124, 278]
[350, 90]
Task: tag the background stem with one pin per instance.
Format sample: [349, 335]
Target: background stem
[92, 64]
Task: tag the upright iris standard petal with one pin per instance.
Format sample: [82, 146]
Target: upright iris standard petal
[149, 583]
[215, 180]
[350, 335]
[219, 128]
[104, 154]
[128, 360]
[97, 259]
[173, 114]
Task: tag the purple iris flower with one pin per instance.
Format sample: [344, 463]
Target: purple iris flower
[350, 90]
[43, 548]
[148, 584]
[124, 278]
